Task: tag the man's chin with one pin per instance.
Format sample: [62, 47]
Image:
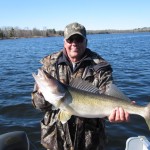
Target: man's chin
[75, 55]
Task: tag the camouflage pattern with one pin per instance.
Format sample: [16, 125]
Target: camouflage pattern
[78, 133]
[74, 28]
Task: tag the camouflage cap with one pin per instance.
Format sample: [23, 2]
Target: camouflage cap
[74, 28]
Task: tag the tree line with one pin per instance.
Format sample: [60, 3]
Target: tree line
[15, 32]
[11, 32]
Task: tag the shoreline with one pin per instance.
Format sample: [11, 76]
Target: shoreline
[88, 32]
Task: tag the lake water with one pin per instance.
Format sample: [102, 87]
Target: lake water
[129, 55]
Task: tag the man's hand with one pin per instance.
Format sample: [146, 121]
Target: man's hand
[119, 115]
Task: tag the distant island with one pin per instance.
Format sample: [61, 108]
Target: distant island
[15, 32]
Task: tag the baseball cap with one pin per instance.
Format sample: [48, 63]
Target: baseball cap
[74, 28]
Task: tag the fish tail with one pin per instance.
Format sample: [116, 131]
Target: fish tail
[147, 115]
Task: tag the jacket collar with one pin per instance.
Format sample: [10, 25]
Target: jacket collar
[63, 59]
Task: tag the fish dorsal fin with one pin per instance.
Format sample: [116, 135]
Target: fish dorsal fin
[113, 90]
[84, 85]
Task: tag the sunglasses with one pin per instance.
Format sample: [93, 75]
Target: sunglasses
[77, 39]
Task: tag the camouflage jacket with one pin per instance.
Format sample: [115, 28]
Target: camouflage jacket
[78, 133]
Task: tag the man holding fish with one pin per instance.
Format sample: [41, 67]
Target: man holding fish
[63, 127]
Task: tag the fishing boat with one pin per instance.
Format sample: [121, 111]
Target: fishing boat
[137, 143]
[18, 140]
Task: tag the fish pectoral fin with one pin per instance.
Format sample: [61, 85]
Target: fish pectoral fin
[64, 116]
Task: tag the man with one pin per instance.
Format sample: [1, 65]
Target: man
[75, 60]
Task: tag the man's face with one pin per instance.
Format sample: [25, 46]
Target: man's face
[75, 47]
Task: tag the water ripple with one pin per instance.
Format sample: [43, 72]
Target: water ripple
[129, 55]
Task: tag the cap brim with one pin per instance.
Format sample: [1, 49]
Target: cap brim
[74, 34]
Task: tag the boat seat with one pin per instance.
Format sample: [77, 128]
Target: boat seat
[16, 140]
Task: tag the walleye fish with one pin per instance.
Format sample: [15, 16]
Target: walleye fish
[74, 101]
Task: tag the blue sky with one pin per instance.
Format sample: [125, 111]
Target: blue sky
[93, 14]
